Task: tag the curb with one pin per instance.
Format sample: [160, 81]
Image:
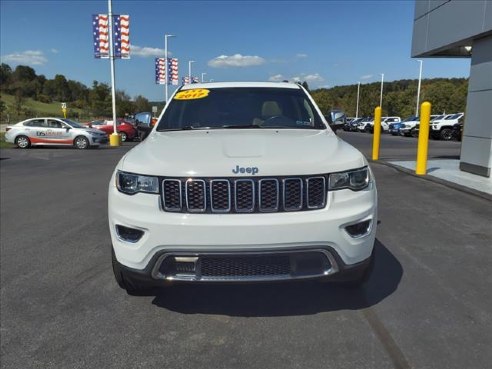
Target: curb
[429, 178]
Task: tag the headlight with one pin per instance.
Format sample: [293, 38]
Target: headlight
[354, 179]
[132, 183]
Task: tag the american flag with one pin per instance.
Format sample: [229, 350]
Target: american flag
[160, 71]
[100, 27]
[173, 72]
[121, 32]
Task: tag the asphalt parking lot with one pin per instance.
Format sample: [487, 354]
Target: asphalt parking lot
[427, 305]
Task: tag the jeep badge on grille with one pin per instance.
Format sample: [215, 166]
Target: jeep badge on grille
[249, 170]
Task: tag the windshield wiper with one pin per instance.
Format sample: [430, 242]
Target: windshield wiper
[233, 126]
[186, 128]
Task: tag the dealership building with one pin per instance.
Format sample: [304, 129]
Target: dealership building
[459, 28]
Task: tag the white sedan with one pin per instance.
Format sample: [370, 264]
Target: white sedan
[53, 132]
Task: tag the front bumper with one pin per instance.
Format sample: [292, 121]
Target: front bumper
[97, 140]
[192, 235]
[337, 271]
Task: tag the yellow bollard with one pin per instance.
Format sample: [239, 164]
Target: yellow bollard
[423, 145]
[376, 139]
[114, 139]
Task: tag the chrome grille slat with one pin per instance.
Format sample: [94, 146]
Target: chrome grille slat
[244, 195]
[244, 199]
[316, 192]
[171, 189]
[220, 195]
[268, 195]
[292, 188]
[196, 195]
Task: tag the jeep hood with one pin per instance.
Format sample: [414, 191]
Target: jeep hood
[215, 153]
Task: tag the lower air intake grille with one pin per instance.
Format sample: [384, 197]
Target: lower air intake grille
[223, 267]
[232, 267]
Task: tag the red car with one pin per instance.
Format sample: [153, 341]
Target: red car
[126, 130]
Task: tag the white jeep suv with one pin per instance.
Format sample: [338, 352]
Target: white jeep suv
[443, 128]
[241, 182]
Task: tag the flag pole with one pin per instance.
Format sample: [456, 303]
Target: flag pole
[114, 138]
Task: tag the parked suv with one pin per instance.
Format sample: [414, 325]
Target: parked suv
[336, 119]
[144, 123]
[385, 123]
[443, 129]
[241, 182]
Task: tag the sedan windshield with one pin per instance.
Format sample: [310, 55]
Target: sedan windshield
[73, 123]
[243, 107]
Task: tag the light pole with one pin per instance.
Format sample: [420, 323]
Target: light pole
[203, 74]
[189, 70]
[358, 92]
[418, 89]
[381, 94]
[166, 63]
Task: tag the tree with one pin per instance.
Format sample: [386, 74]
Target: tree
[62, 92]
[18, 102]
[142, 104]
[3, 107]
[5, 74]
[100, 99]
[23, 73]
[124, 105]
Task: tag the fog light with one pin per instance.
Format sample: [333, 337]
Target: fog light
[359, 229]
[129, 234]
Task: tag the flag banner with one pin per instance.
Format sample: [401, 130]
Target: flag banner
[100, 32]
[121, 33]
[160, 71]
[173, 72]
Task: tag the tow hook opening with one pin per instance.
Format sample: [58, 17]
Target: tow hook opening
[359, 229]
[129, 234]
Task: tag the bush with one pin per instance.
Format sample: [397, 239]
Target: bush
[45, 99]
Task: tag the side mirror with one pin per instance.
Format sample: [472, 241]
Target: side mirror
[68, 128]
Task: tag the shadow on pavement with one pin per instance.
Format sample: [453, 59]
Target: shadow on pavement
[284, 299]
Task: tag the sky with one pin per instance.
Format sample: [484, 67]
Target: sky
[325, 43]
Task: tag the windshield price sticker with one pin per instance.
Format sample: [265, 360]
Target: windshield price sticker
[198, 93]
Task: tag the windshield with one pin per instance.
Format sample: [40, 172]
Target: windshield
[454, 116]
[410, 119]
[73, 123]
[439, 117]
[243, 107]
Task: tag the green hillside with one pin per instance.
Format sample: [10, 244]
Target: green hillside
[33, 108]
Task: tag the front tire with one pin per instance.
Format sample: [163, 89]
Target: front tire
[446, 134]
[81, 142]
[23, 142]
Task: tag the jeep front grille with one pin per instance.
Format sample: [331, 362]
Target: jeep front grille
[243, 195]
